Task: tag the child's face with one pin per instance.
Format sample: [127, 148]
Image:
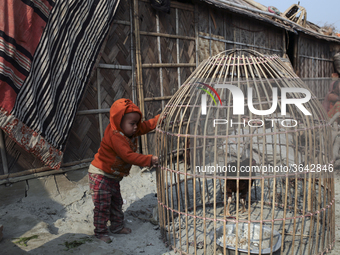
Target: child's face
[129, 123]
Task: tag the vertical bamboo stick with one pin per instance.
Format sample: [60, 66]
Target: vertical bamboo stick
[209, 26]
[177, 51]
[303, 212]
[160, 186]
[205, 186]
[196, 132]
[99, 101]
[238, 165]
[139, 73]
[332, 240]
[172, 199]
[132, 49]
[296, 54]
[312, 75]
[179, 196]
[258, 72]
[234, 37]
[3, 152]
[159, 58]
[323, 204]
[246, 61]
[187, 198]
[169, 200]
[196, 34]
[317, 198]
[284, 51]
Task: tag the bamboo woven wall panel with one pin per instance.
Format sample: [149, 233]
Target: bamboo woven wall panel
[206, 46]
[168, 50]
[186, 26]
[165, 49]
[118, 49]
[114, 84]
[187, 51]
[147, 17]
[211, 20]
[167, 22]
[229, 27]
[238, 31]
[217, 21]
[319, 87]
[85, 139]
[315, 58]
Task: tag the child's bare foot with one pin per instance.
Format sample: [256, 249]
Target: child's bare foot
[124, 231]
[106, 239]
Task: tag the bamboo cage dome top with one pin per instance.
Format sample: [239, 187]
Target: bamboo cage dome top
[245, 106]
[241, 108]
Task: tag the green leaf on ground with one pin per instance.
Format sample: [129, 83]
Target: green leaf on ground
[76, 243]
[24, 240]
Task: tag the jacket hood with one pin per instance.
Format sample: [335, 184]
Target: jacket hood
[118, 109]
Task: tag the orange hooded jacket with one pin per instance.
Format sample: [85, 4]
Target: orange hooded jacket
[117, 152]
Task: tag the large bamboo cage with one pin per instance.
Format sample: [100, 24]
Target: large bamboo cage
[273, 167]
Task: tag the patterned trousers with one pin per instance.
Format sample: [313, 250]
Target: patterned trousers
[108, 204]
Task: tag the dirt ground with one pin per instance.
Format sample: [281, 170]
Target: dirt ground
[55, 214]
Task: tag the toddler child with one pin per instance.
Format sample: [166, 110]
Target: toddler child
[113, 161]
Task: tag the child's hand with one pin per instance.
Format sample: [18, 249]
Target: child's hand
[164, 116]
[154, 161]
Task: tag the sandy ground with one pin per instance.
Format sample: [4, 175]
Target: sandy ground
[56, 212]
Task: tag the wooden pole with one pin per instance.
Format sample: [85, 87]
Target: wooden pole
[99, 105]
[111, 66]
[159, 65]
[158, 34]
[132, 48]
[3, 152]
[296, 54]
[43, 171]
[139, 73]
[160, 58]
[284, 46]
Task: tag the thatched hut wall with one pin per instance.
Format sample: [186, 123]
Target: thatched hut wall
[314, 58]
[173, 45]
[315, 63]
[149, 54]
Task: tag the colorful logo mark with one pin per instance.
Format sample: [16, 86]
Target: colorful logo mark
[204, 97]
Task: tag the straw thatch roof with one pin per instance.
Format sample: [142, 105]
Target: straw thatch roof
[260, 12]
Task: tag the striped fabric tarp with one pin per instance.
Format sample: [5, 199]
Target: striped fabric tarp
[47, 51]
